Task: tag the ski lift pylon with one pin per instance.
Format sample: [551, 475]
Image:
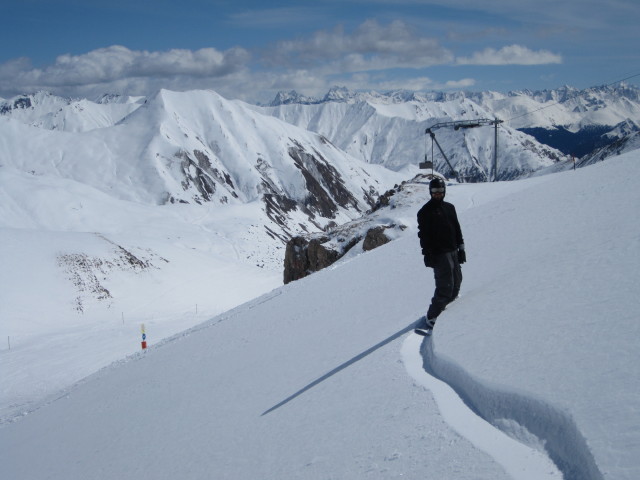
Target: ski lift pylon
[457, 125]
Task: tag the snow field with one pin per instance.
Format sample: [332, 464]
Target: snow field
[312, 380]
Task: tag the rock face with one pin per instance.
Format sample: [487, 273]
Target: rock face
[304, 256]
[312, 252]
[307, 254]
[375, 238]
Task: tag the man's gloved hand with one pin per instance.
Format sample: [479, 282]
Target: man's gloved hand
[462, 255]
[428, 260]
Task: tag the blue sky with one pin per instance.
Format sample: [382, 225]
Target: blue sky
[253, 49]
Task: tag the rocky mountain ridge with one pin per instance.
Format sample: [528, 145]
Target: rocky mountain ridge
[622, 145]
[574, 121]
[392, 133]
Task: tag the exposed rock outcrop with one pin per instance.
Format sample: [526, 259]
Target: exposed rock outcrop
[304, 256]
[375, 238]
[89, 273]
[307, 254]
[312, 252]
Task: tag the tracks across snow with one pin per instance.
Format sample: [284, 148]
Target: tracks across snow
[548, 446]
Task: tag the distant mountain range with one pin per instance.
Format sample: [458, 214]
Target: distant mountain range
[388, 128]
[576, 122]
[318, 163]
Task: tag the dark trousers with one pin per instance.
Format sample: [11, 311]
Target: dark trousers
[448, 277]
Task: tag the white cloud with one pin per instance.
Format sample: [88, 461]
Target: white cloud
[413, 84]
[370, 47]
[118, 65]
[373, 56]
[455, 84]
[510, 55]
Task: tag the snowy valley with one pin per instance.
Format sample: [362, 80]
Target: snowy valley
[174, 211]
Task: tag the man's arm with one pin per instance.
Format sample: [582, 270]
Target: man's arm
[423, 234]
[456, 223]
[462, 254]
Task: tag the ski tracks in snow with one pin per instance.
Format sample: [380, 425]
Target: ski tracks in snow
[449, 384]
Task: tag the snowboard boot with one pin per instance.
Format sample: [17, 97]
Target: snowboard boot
[425, 326]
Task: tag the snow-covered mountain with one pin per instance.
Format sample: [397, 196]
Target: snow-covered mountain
[191, 147]
[47, 111]
[622, 145]
[531, 375]
[566, 107]
[390, 130]
[576, 122]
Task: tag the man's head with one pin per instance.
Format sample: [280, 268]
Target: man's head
[437, 188]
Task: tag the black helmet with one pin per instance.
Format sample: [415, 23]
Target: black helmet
[437, 184]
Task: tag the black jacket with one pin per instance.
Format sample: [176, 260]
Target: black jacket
[438, 228]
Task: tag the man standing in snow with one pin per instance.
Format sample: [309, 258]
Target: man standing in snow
[443, 250]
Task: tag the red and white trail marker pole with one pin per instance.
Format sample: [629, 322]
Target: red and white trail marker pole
[144, 337]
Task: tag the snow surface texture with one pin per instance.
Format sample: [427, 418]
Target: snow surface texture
[312, 380]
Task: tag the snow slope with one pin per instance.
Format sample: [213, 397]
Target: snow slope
[556, 309]
[81, 271]
[318, 379]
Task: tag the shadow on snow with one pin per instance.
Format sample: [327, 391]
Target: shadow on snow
[338, 369]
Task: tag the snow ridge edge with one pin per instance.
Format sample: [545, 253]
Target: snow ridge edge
[553, 428]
